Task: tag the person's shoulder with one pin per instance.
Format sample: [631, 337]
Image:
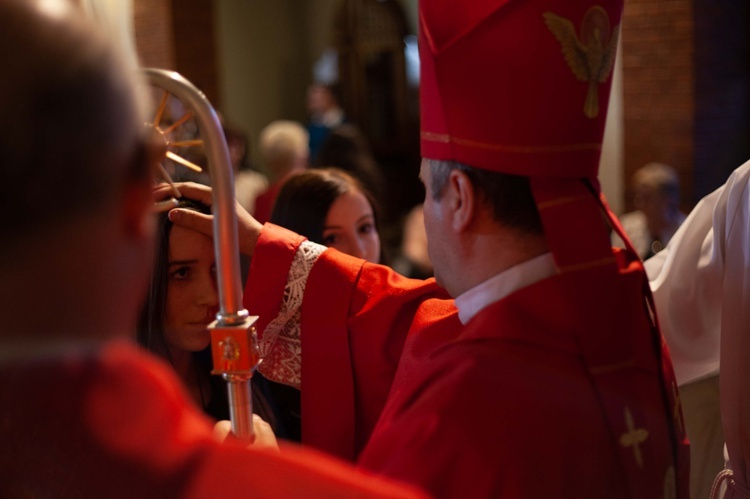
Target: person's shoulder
[742, 172]
[466, 369]
[529, 364]
[133, 389]
[738, 181]
[115, 424]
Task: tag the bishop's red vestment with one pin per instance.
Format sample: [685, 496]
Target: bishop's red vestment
[505, 406]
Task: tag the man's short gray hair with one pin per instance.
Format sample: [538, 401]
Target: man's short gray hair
[440, 170]
[509, 196]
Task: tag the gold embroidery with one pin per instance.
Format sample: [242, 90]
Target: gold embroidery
[436, 137]
[589, 58]
[634, 437]
[444, 138]
[230, 349]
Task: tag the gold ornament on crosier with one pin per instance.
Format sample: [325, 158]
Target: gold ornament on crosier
[591, 56]
[164, 134]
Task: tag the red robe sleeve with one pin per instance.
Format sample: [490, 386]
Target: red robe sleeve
[268, 273]
[354, 326]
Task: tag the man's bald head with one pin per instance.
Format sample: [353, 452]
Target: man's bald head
[70, 128]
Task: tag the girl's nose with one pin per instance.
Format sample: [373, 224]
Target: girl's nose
[209, 295]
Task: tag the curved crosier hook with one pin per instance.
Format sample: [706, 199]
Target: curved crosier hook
[233, 338]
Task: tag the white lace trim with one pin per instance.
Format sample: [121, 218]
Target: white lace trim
[281, 346]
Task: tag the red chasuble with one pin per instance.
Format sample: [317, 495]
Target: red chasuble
[511, 409]
[116, 423]
[509, 405]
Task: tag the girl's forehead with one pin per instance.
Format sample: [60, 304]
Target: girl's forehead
[188, 244]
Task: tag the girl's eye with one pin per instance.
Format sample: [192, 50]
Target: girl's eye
[181, 273]
[366, 228]
[330, 239]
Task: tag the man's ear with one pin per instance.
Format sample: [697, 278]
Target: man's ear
[463, 200]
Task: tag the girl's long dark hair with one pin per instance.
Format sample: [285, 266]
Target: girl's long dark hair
[150, 332]
[304, 200]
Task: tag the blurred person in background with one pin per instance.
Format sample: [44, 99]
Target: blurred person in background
[325, 112]
[285, 151]
[657, 216]
[248, 183]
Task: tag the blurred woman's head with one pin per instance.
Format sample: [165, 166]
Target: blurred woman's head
[332, 208]
[182, 298]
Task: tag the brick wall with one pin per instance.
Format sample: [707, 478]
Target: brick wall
[154, 39]
[658, 88]
[686, 86]
[195, 45]
[178, 35]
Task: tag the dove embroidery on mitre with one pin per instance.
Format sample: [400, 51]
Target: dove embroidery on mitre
[590, 57]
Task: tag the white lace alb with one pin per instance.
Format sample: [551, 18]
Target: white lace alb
[281, 345]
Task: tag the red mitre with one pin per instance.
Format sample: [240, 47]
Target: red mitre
[522, 87]
[517, 86]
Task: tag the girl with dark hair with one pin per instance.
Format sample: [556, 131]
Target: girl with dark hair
[330, 207]
[182, 301]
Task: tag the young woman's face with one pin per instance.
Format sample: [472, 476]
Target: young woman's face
[192, 298]
[350, 227]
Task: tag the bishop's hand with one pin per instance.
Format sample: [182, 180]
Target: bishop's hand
[248, 229]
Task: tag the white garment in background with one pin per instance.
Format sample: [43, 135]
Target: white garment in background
[248, 185]
[686, 280]
[701, 284]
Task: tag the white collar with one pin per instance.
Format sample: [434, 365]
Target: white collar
[471, 302]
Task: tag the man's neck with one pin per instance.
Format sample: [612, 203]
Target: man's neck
[494, 253]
